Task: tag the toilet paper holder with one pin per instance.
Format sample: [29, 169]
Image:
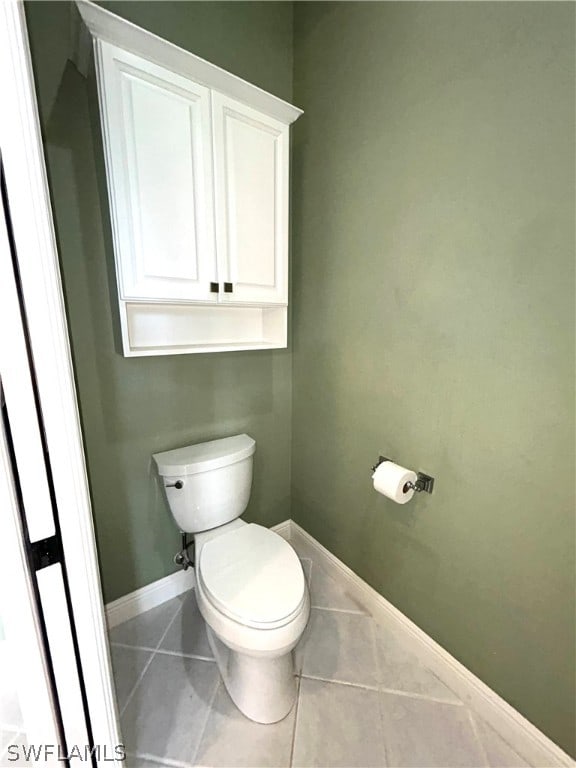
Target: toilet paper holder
[423, 482]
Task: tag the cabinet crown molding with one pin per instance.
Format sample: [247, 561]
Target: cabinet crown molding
[104, 25]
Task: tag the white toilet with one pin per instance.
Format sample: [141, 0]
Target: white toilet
[250, 585]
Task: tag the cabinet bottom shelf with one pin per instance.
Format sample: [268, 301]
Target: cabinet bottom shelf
[177, 329]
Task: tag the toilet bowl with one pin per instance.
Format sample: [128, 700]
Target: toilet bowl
[250, 586]
[253, 596]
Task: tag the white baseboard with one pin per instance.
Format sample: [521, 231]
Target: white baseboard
[529, 742]
[148, 597]
[283, 529]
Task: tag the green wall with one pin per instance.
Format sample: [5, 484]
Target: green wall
[131, 408]
[433, 313]
[433, 284]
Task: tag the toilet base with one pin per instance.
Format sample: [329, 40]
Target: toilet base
[263, 688]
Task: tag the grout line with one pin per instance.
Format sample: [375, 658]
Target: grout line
[440, 680]
[475, 717]
[209, 710]
[381, 689]
[359, 612]
[384, 730]
[341, 682]
[340, 610]
[162, 761]
[375, 649]
[186, 655]
[18, 740]
[383, 724]
[297, 706]
[172, 620]
[308, 560]
[306, 564]
[421, 696]
[163, 651]
[479, 741]
[137, 683]
[133, 647]
[377, 646]
[4, 750]
[309, 575]
[12, 727]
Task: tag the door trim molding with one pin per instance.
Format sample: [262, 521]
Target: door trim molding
[20, 621]
[33, 230]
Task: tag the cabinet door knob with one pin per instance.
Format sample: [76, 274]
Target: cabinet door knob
[228, 288]
[214, 287]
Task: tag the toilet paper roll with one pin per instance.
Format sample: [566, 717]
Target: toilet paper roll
[390, 479]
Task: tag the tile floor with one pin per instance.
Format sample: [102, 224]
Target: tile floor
[363, 699]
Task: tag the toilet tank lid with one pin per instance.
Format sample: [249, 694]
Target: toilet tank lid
[203, 457]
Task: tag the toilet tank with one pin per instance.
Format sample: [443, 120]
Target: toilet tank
[207, 484]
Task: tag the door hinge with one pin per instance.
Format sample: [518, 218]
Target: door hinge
[228, 288]
[214, 287]
[46, 552]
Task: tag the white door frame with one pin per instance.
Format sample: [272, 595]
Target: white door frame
[33, 232]
[37, 592]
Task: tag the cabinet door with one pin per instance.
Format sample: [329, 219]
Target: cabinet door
[157, 137]
[251, 180]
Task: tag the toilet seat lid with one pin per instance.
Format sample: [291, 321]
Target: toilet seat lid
[253, 576]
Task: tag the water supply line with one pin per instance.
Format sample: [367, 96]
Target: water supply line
[182, 558]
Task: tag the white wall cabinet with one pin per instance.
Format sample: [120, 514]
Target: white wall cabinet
[158, 144]
[251, 182]
[197, 164]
